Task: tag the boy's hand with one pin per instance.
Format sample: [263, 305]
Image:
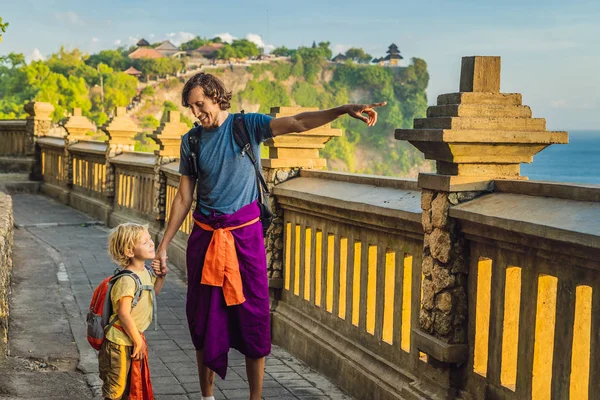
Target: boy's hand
[140, 350]
[161, 257]
[158, 269]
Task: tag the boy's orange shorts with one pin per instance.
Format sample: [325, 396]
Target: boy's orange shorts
[114, 363]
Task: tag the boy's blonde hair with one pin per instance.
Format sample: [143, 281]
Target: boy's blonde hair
[122, 240]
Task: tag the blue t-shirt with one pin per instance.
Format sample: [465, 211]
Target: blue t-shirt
[226, 179]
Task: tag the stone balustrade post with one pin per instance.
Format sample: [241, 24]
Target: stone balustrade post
[77, 126]
[37, 125]
[287, 155]
[121, 131]
[475, 136]
[168, 137]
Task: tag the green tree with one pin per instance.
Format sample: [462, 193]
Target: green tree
[194, 43]
[298, 65]
[226, 53]
[158, 66]
[148, 91]
[113, 58]
[149, 122]
[119, 89]
[313, 59]
[358, 55]
[3, 26]
[240, 48]
[305, 94]
[283, 52]
[325, 50]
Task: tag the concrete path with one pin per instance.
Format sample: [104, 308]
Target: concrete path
[60, 256]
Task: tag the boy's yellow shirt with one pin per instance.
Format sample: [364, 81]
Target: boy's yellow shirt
[141, 313]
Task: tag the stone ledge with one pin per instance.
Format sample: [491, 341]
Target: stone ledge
[454, 183]
[495, 123]
[51, 141]
[89, 147]
[479, 110]
[567, 221]
[480, 98]
[13, 124]
[441, 351]
[294, 163]
[477, 135]
[354, 197]
[144, 160]
[375, 180]
[559, 190]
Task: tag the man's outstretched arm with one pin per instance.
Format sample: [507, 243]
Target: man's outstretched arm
[313, 119]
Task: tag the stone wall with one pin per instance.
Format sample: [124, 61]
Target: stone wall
[274, 237]
[445, 268]
[6, 245]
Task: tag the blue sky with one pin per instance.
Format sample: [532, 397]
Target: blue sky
[550, 51]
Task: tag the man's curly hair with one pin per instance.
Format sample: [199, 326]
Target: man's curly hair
[212, 86]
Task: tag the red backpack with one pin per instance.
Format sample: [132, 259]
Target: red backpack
[101, 306]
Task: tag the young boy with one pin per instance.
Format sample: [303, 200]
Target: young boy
[123, 356]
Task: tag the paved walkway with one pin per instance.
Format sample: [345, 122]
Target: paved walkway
[78, 247]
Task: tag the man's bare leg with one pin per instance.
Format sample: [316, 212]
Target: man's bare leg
[206, 375]
[255, 370]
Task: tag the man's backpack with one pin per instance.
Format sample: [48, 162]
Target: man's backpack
[101, 308]
[241, 137]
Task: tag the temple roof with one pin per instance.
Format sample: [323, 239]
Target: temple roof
[144, 52]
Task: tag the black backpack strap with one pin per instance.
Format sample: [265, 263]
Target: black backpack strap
[194, 146]
[240, 134]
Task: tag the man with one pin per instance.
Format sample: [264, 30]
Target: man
[228, 300]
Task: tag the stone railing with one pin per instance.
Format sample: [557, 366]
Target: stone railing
[52, 159]
[172, 175]
[6, 247]
[533, 289]
[88, 183]
[13, 138]
[134, 185]
[470, 283]
[352, 274]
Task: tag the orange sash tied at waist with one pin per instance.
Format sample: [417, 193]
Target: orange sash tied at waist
[221, 264]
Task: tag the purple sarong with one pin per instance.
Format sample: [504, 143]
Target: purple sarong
[215, 327]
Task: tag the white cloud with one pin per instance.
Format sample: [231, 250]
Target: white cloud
[69, 17]
[151, 35]
[177, 38]
[226, 37]
[36, 55]
[256, 39]
[95, 40]
[117, 42]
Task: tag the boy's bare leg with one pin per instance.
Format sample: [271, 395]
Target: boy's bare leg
[255, 370]
[206, 375]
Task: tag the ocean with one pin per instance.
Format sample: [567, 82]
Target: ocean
[576, 162]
